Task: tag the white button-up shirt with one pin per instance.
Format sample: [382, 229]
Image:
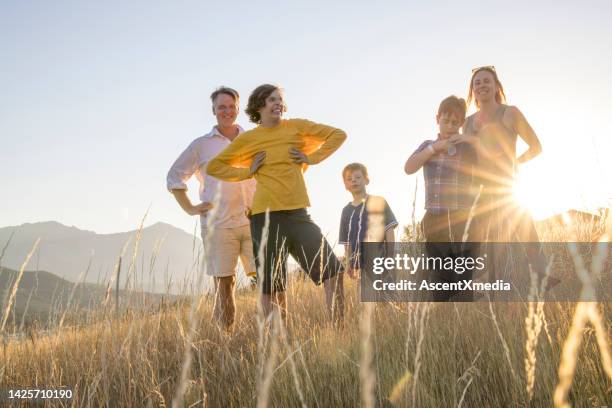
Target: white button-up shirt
[236, 198]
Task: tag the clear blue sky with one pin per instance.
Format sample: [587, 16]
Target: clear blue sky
[98, 99]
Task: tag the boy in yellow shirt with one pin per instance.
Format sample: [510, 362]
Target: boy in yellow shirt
[276, 153]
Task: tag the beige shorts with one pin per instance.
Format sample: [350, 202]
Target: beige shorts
[225, 246]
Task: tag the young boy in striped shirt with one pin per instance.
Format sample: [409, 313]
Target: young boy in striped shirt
[365, 219]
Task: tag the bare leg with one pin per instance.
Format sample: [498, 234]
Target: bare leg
[281, 301]
[278, 299]
[334, 297]
[224, 310]
[266, 304]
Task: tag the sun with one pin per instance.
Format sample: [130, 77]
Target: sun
[542, 196]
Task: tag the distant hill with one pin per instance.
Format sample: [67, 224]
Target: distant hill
[165, 254]
[44, 296]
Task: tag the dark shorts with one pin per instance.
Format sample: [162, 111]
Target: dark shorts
[291, 232]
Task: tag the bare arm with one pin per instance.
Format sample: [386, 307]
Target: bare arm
[390, 241]
[348, 255]
[417, 160]
[525, 132]
[185, 203]
[183, 168]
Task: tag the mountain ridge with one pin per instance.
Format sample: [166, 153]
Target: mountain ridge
[44, 296]
[163, 251]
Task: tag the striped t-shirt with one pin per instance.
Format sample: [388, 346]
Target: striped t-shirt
[354, 225]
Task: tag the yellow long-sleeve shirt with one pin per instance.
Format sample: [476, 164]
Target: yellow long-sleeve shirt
[280, 182]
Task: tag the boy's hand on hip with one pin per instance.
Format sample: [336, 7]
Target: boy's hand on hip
[258, 161]
[298, 157]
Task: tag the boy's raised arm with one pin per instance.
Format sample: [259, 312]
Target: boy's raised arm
[419, 157]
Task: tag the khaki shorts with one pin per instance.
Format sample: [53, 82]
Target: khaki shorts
[225, 246]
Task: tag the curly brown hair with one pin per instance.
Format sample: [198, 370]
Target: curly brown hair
[257, 100]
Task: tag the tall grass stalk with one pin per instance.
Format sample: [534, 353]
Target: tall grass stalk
[586, 312]
[502, 340]
[533, 326]
[366, 375]
[293, 366]
[115, 276]
[181, 389]
[468, 375]
[132, 266]
[4, 248]
[263, 394]
[423, 314]
[79, 281]
[13, 293]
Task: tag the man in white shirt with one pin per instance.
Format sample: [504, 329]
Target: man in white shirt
[229, 235]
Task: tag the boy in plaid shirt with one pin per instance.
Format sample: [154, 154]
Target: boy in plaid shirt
[448, 163]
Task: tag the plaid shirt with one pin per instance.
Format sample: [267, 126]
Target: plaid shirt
[448, 178]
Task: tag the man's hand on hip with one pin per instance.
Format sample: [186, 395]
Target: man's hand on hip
[200, 209]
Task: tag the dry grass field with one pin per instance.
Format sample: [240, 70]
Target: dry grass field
[406, 354]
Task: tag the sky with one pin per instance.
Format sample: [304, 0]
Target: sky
[98, 99]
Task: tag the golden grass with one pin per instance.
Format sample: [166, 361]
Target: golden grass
[408, 354]
[11, 298]
[137, 360]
